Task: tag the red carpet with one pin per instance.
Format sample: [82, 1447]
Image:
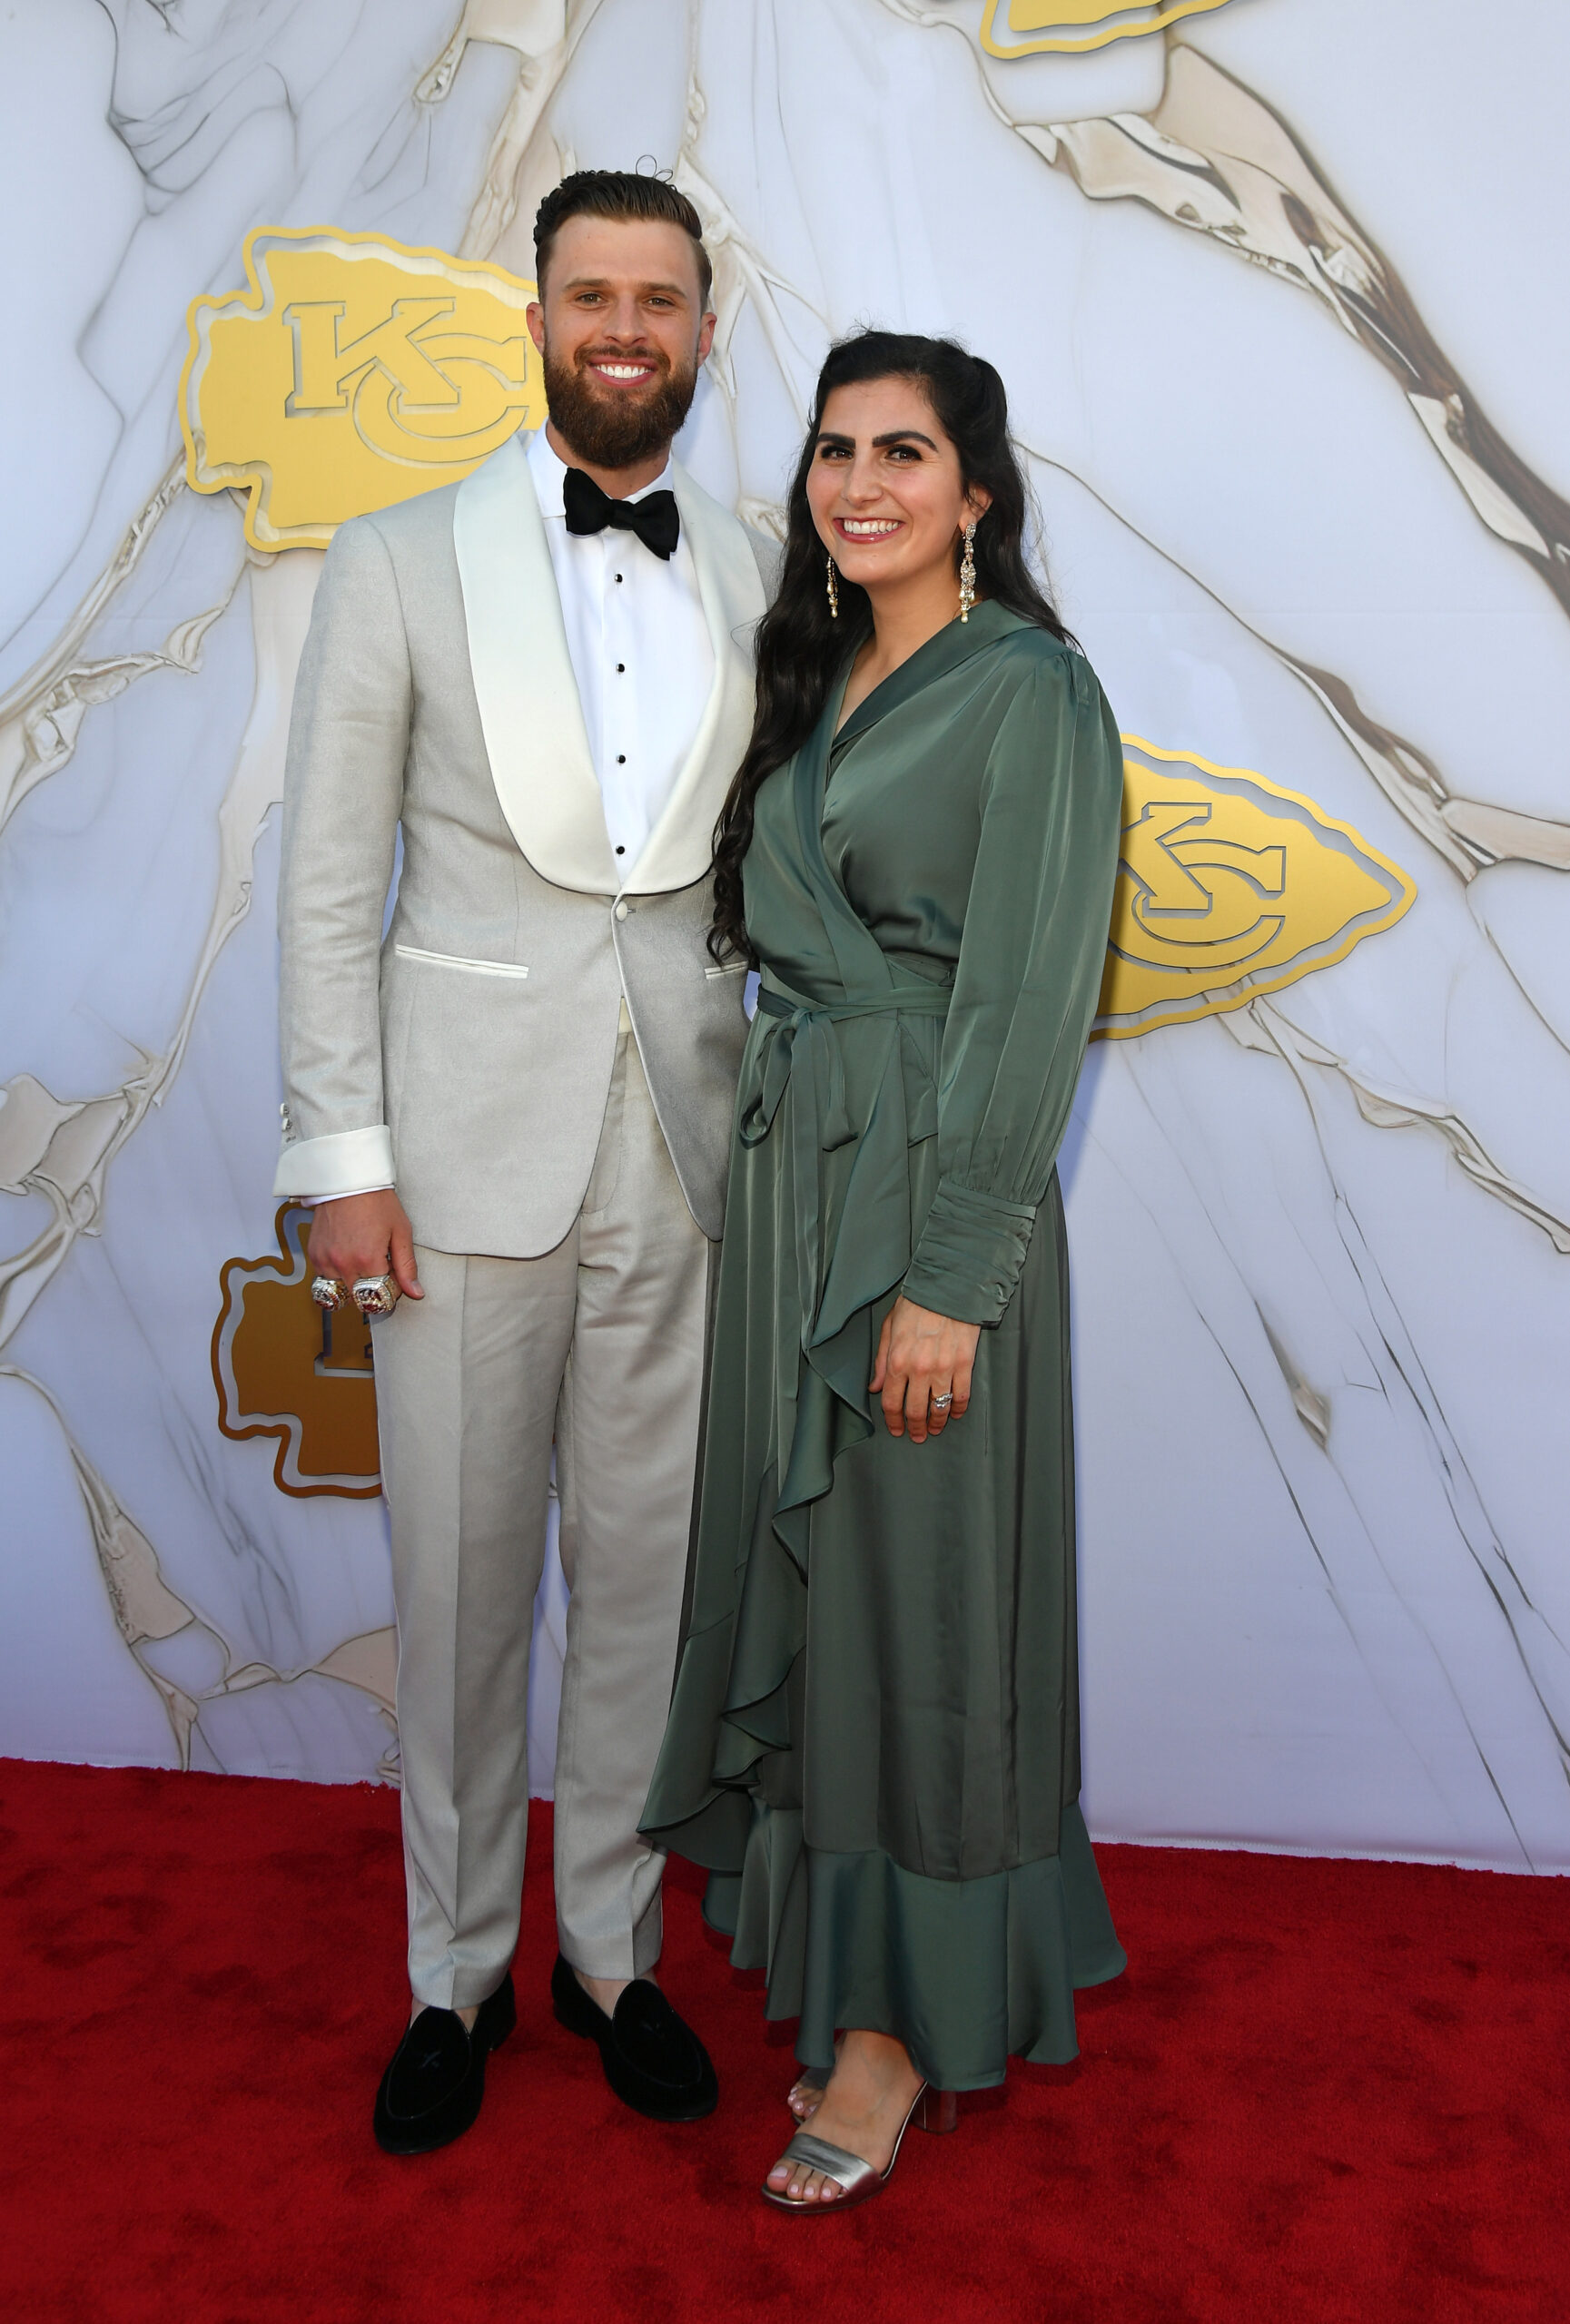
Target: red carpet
[1323, 2091]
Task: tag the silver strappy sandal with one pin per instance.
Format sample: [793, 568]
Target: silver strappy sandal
[936, 2110]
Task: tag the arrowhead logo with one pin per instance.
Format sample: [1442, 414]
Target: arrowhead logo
[353, 373]
[1071, 27]
[285, 1367]
[1229, 885]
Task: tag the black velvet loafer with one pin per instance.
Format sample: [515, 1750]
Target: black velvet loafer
[652, 2059]
[431, 2091]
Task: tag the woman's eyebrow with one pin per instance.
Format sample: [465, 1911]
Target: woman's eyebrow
[895, 436]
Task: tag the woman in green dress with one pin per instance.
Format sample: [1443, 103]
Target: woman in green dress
[874, 1737]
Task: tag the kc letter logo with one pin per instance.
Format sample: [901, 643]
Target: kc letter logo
[1229, 886]
[351, 373]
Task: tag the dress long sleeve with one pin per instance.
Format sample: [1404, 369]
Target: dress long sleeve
[1026, 990]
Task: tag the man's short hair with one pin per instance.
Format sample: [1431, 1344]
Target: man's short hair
[618, 193]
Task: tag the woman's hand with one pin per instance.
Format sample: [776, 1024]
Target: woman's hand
[364, 1235]
[922, 1355]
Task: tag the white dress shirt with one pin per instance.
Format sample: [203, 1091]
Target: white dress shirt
[640, 652]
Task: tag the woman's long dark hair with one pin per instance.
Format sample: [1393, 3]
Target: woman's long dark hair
[801, 649]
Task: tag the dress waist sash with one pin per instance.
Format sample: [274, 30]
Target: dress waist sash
[799, 1049]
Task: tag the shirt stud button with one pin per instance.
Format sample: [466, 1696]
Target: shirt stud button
[621, 758]
[619, 668]
[621, 850]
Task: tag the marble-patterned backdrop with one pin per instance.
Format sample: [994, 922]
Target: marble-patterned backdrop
[1279, 295]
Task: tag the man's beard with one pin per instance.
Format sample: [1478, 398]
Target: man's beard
[611, 431]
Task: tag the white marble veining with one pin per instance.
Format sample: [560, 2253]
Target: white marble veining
[1322, 1247]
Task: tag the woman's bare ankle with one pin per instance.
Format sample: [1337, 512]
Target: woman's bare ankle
[876, 2058]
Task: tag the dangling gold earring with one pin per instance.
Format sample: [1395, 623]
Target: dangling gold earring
[833, 592]
[968, 573]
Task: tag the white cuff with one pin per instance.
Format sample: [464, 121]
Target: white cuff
[344, 1193]
[323, 1169]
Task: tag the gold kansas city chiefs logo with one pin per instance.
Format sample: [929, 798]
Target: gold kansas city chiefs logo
[1071, 27]
[1229, 886]
[353, 373]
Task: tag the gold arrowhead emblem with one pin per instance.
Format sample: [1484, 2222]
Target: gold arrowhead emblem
[1229, 886]
[351, 373]
[1071, 27]
[285, 1367]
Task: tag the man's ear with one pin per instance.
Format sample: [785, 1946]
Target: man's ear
[535, 318]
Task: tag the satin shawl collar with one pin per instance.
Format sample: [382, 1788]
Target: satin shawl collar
[679, 850]
[534, 736]
[941, 656]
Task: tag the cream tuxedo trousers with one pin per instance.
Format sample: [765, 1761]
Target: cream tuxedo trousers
[600, 1340]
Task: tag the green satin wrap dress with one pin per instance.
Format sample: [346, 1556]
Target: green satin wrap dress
[873, 1736]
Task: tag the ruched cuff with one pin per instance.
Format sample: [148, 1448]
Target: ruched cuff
[322, 1169]
[970, 1255]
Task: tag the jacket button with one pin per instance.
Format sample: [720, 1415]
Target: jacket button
[621, 912]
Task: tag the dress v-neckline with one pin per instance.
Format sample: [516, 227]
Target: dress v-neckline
[942, 652]
[857, 952]
[858, 955]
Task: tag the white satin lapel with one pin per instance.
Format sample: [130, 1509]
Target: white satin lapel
[523, 679]
[680, 848]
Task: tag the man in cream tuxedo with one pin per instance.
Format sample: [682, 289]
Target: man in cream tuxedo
[517, 1104]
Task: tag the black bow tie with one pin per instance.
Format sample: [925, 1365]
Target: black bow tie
[655, 518]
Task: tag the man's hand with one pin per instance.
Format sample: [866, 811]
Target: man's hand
[364, 1234]
[922, 1355]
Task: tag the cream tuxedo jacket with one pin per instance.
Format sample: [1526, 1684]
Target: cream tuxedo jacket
[467, 1056]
